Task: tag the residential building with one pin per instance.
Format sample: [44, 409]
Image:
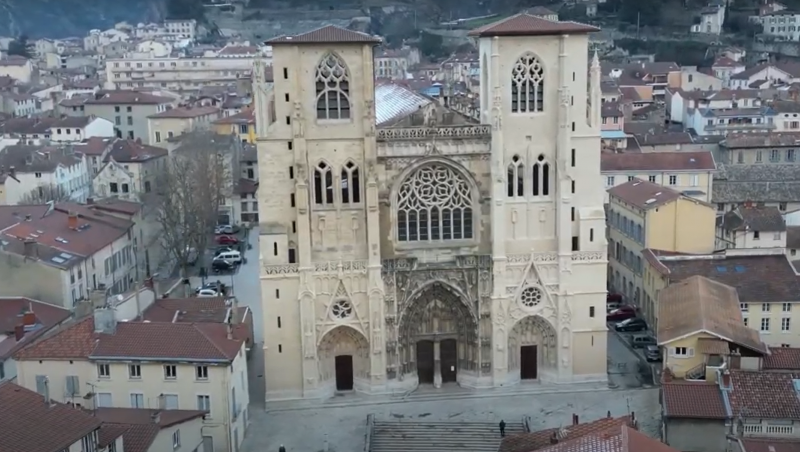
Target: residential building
[687, 172]
[300, 229]
[128, 110]
[711, 19]
[683, 106]
[779, 73]
[153, 365]
[75, 129]
[700, 329]
[773, 185]
[154, 430]
[33, 423]
[241, 125]
[694, 415]
[19, 105]
[793, 242]
[761, 148]
[724, 68]
[394, 63]
[58, 256]
[781, 24]
[37, 174]
[751, 227]
[17, 67]
[248, 195]
[182, 29]
[129, 170]
[26, 130]
[694, 79]
[95, 150]
[249, 162]
[176, 121]
[23, 320]
[644, 215]
[656, 140]
[765, 280]
[647, 81]
[612, 130]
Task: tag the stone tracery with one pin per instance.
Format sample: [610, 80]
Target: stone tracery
[343, 340]
[532, 330]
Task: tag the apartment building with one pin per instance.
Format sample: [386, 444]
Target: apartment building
[176, 121]
[36, 174]
[19, 105]
[153, 365]
[95, 150]
[649, 81]
[223, 67]
[17, 67]
[687, 172]
[394, 63]
[23, 320]
[761, 148]
[31, 423]
[683, 103]
[128, 110]
[151, 430]
[59, 253]
[75, 129]
[25, 130]
[612, 129]
[783, 25]
[777, 73]
[644, 215]
[241, 125]
[182, 29]
[751, 227]
[129, 170]
[765, 281]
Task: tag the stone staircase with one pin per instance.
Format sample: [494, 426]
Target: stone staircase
[439, 436]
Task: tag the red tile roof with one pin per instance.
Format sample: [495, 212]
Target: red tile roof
[693, 400]
[246, 116]
[199, 342]
[247, 186]
[528, 442]
[238, 50]
[327, 35]
[643, 194]
[766, 395]
[12, 313]
[781, 358]
[138, 426]
[530, 25]
[751, 444]
[658, 161]
[130, 151]
[199, 310]
[29, 424]
[617, 439]
[126, 97]
[94, 146]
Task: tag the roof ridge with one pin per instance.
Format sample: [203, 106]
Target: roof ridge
[196, 325]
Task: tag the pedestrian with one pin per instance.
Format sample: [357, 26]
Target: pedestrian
[502, 428]
[282, 449]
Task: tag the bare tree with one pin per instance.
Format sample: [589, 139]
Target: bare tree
[43, 194]
[189, 189]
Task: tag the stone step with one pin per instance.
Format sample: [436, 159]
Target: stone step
[439, 436]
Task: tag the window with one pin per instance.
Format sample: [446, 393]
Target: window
[125, 188]
[787, 307]
[740, 157]
[243, 128]
[758, 156]
[434, 203]
[765, 324]
[673, 180]
[756, 235]
[103, 371]
[682, 352]
[129, 109]
[572, 157]
[285, 74]
[651, 179]
[777, 236]
[204, 403]
[774, 155]
[332, 89]
[591, 311]
[158, 137]
[323, 184]
[694, 180]
[201, 372]
[610, 181]
[137, 400]
[147, 186]
[516, 177]
[744, 307]
[170, 401]
[790, 155]
[541, 177]
[291, 172]
[176, 439]
[118, 120]
[292, 256]
[746, 321]
[170, 372]
[765, 307]
[785, 324]
[575, 244]
[351, 185]
[720, 207]
[630, 178]
[134, 371]
[103, 400]
[527, 85]
[782, 206]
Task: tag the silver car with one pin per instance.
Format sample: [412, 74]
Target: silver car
[652, 353]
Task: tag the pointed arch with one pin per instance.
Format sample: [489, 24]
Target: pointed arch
[516, 177]
[323, 184]
[541, 177]
[527, 84]
[332, 80]
[350, 183]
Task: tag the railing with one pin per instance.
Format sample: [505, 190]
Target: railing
[748, 126]
[368, 434]
[424, 133]
[697, 372]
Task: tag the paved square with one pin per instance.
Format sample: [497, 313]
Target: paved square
[306, 430]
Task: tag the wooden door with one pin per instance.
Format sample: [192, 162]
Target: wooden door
[448, 351]
[344, 373]
[528, 362]
[425, 361]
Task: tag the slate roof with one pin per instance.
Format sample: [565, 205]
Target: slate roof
[698, 304]
[199, 342]
[130, 151]
[758, 140]
[765, 395]
[762, 183]
[754, 218]
[757, 278]
[29, 424]
[643, 194]
[328, 34]
[793, 237]
[657, 161]
[45, 317]
[525, 24]
[781, 358]
[186, 112]
[693, 400]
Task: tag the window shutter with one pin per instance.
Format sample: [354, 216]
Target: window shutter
[690, 352]
[41, 381]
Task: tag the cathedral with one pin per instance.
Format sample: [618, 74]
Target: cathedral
[430, 247]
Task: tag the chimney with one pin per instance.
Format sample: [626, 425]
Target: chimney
[12, 171]
[156, 417]
[633, 417]
[608, 414]
[29, 318]
[229, 329]
[554, 438]
[28, 217]
[30, 249]
[575, 419]
[19, 332]
[89, 201]
[72, 220]
[104, 321]
[234, 316]
[162, 403]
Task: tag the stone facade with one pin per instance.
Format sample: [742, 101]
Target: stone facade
[403, 256]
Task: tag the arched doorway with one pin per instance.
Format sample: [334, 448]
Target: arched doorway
[438, 337]
[344, 360]
[532, 351]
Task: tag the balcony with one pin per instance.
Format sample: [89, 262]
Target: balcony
[738, 126]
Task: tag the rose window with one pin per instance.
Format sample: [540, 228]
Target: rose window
[341, 309]
[531, 297]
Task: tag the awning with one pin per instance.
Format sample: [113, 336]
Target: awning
[613, 135]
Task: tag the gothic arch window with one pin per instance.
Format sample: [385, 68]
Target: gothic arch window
[541, 177]
[527, 85]
[434, 203]
[323, 185]
[351, 184]
[333, 88]
[516, 178]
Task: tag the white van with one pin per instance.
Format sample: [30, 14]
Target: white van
[234, 257]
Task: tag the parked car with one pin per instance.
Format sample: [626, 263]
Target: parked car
[652, 353]
[213, 285]
[621, 313]
[631, 325]
[642, 340]
[233, 257]
[227, 240]
[206, 293]
[613, 306]
[222, 249]
[221, 266]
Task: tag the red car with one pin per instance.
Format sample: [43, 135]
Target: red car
[623, 313]
[613, 298]
[227, 240]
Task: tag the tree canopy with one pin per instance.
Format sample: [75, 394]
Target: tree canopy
[185, 10]
[21, 47]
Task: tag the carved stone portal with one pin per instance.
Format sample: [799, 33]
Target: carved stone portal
[344, 341]
[533, 330]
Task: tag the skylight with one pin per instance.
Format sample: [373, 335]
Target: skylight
[722, 268]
